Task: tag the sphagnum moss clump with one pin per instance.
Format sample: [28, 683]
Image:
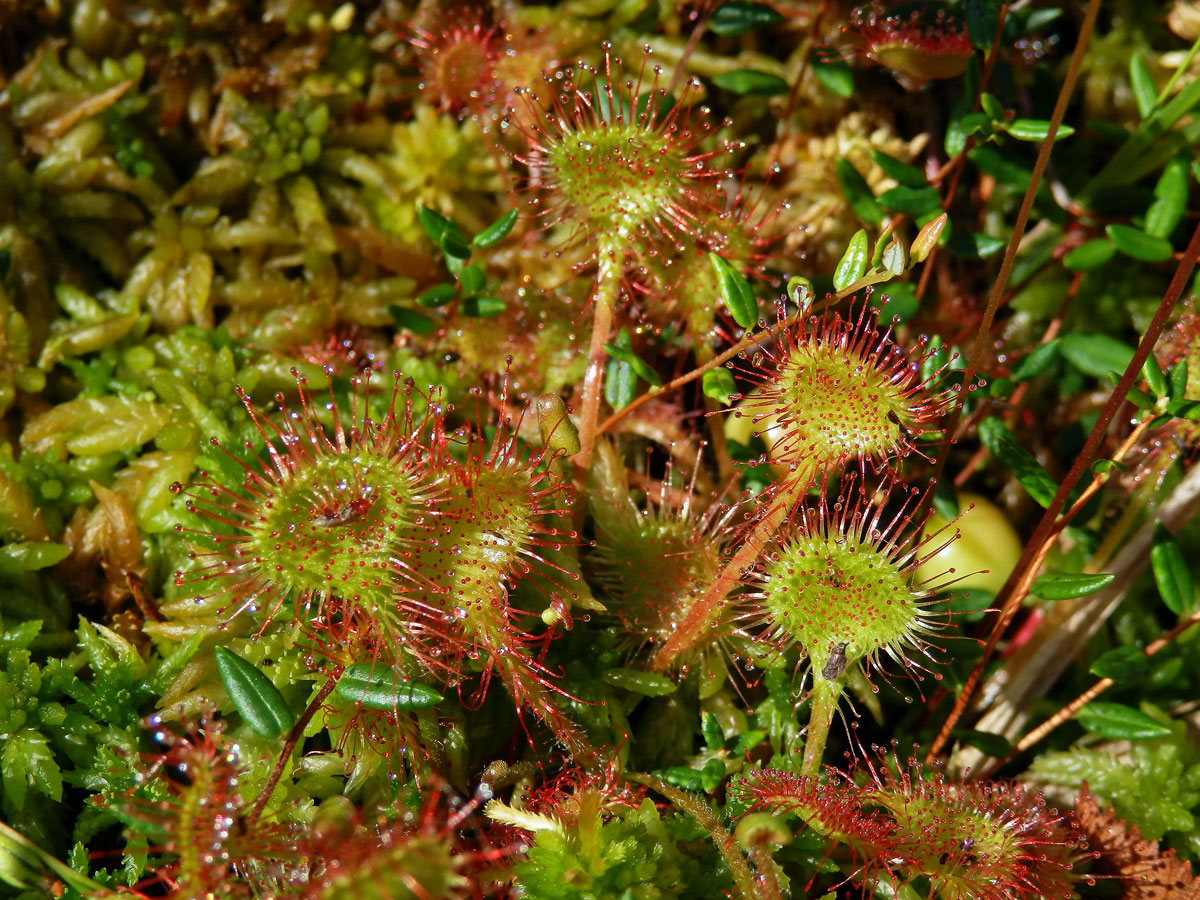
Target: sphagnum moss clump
[487, 578]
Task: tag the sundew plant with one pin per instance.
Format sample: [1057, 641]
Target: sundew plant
[599, 450]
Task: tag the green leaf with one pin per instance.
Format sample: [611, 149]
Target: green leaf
[912, 201]
[714, 737]
[751, 82]
[718, 384]
[254, 696]
[411, 320]
[736, 292]
[1179, 378]
[682, 777]
[974, 245]
[858, 193]
[640, 366]
[620, 384]
[29, 556]
[1155, 378]
[1037, 362]
[438, 295]
[832, 73]
[992, 106]
[481, 307]
[1001, 444]
[1145, 94]
[472, 279]
[1036, 130]
[962, 127]
[1170, 199]
[379, 687]
[740, 16]
[982, 18]
[455, 245]
[1065, 586]
[989, 742]
[648, 684]
[900, 172]
[853, 264]
[1095, 354]
[1121, 664]
[898, 302]
[1090, 255]
[1136, 244]
[894, 258]
[496, 232]
[1119, 722]
[436, 225]
[27, 761]
[1171, 572]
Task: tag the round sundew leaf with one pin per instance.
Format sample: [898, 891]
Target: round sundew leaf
[255, 698]
[648, 684]
[1120, 722]
[1069, 586]
[381, 688]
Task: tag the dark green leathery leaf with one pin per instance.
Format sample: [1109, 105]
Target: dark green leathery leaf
[254, 696]
[382, 688]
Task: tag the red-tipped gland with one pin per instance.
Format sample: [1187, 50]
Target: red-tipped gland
[840, 584]
[615, 159]
[914, 48]
[835, 390]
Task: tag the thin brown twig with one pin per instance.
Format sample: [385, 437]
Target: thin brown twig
[292, 739]
[1016, 587]
[985, 327]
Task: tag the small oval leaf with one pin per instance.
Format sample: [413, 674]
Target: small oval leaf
[648, 684]
[858, 193]
[1036, 130]
[1121, 664]
[1120, 722]
[481, 307]
[1096, 354]
[853, 263]
[496, 232]
[736, 293]
[1090, 255]
[718, 384]
[382, 688]
[255, 698]
[411, 320]
[751, 82]
[1136, 244]
[1001, 444]
[1058, 586]
[740, 16]
[1171, 573]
